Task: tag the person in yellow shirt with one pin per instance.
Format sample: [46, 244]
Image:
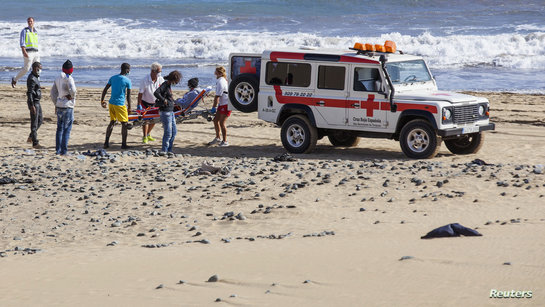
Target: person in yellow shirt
[29, 46]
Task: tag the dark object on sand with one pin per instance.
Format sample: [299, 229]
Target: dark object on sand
[284, 158]
[451, 230]
[479, 162]
[98, 153]
[7, 180]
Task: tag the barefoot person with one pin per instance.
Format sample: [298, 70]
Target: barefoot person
[165, 102]
[221, 100]
[149, 84]
[63, 94]
[28, 41]
[121, 90]
[34, 94]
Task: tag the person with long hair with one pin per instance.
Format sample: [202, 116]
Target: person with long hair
[165, 102]
[221, 100]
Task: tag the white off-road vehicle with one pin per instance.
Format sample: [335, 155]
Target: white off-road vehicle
[365, 91]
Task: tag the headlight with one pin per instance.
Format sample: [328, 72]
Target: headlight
[447, 114]
[481, 110]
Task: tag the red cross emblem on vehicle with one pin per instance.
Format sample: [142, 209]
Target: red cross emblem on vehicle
[247, 68]
[370, 104]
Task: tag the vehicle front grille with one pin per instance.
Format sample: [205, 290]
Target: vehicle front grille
[466, 114]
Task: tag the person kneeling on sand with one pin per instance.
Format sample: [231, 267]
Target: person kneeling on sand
[188, 97]
[165, 102]
[63, 95]
[120, 84]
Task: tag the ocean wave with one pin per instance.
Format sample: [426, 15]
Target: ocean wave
[129, 39]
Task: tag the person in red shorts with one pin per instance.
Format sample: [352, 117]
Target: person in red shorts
[221, 100]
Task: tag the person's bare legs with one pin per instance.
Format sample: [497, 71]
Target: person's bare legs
[221, 123]
[144, 131]
[150, 127]
[109, 133]
[124, 133]
[217, 125]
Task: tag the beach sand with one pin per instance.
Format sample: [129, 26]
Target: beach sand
[137, 229]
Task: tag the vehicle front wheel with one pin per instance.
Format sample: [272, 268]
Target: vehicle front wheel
[298, 135]
[243, 92]
[466, 144]
[343, 139]
[418, 140]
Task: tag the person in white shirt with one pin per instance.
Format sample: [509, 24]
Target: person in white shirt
[221, 100]
[63, 95]
[148, 86]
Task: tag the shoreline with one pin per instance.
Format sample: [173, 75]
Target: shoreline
[338, 227]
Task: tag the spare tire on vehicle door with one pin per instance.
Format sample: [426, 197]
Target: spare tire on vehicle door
[243, 92]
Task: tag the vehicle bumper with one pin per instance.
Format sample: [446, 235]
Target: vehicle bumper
[461, 131]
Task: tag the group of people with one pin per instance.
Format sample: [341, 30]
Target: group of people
[154, 91]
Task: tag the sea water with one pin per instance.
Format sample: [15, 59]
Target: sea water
[481, 45]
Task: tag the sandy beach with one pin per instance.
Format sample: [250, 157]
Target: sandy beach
[338, 227]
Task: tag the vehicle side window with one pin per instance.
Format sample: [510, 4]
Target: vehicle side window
[331, 77]
[367, 80]
[290, 74]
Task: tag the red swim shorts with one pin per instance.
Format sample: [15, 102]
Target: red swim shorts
[223, 110]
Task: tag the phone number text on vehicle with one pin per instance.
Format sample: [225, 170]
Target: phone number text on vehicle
[297, 94]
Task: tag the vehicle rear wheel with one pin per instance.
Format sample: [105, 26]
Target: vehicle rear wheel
[298, 135]
[418, 140]
[243, 92]
[466, 144]
[343, 139]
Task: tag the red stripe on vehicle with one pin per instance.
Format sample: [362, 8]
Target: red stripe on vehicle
[369, 104]
[349, 59]
[286, 55]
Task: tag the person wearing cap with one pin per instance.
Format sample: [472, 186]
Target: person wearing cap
[34, 94]
[63, 95]
[149, 84]
[28, 40]
[121, 89]
[188, 97]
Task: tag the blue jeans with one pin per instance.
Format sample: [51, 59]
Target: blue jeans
[65, 118]
[169, 130]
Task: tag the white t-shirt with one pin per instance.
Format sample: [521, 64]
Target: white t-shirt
[148, 87]
[221, 90]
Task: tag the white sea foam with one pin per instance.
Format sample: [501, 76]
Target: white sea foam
[128, 39]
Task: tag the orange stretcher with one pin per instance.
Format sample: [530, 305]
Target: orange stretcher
[151, 115]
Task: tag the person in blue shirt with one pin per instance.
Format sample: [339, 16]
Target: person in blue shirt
[121, 90]
[188, 97]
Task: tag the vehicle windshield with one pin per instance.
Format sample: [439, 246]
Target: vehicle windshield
[408, 71]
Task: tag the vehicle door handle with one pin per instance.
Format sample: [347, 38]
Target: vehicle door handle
[320, 103]
[355, 105]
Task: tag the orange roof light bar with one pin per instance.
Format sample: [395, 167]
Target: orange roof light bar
[358, 46]
[369, 47]
[379, 48]
[390, 46]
